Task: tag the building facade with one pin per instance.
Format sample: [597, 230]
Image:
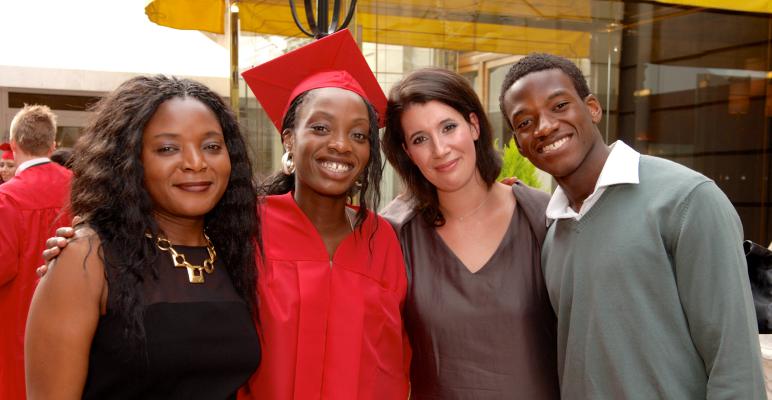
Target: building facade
[690, 84]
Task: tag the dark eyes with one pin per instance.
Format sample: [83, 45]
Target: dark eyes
[319, 128]
[523, 124]
[358, 136]
[419, 139]
[166, 149]
[214, 147]
[448, 127]
[526, 123]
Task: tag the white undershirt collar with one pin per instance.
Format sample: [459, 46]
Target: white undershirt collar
[621, 167]
[31, 163]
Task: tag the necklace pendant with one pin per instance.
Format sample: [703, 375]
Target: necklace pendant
[195, 275]
[195, 272]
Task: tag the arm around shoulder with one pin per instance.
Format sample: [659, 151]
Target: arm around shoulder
[62, 320]
[712, 280]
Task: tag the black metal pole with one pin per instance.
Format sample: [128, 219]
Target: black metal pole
[320, 25]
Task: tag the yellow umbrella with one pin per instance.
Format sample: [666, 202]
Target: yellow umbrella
[560, 27]
[499, 26]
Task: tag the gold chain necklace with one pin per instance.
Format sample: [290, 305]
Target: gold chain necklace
[195, 272]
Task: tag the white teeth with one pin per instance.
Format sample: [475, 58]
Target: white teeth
[554, 146]
[336, 167]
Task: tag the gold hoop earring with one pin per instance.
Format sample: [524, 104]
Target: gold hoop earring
[287, 164]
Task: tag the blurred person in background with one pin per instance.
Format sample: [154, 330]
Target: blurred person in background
[31, 208]
[7, 163]
[62, 156]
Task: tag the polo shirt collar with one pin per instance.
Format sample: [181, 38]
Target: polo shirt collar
[621, 167]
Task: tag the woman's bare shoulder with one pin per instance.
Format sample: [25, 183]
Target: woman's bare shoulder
[81, 253]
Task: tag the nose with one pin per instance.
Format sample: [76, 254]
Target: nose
[193, 159]
[546, 125]
[339, 142]
[439, 147]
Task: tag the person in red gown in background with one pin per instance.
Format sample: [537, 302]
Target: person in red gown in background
[31, 208]
[332, 282]
[7, 163]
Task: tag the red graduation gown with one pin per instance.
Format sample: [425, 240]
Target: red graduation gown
[30, 207]
[330, 328]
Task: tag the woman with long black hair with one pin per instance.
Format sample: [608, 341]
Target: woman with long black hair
[155, 296]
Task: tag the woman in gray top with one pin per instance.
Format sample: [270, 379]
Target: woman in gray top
[477, 313]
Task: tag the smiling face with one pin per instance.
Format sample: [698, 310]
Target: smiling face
[186, 163]
[440, 142]
[330, 142]
[7, 169]
[553, 127]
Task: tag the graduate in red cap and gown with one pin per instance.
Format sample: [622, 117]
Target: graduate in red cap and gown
[32, 206]
[7, 163]
[332, 279]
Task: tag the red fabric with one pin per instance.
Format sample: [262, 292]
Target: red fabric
[329, 329]
[30, 211]
[332, 61]
[6, 149]
[336, 79]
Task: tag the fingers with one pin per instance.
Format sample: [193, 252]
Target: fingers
[41, 270]
[510, 180]
[76, 220]
[64, 232]
[56, 241]
[51, 252]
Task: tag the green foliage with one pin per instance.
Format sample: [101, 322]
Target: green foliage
[518, 166]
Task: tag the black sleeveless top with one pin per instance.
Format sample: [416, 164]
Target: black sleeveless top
[201, 341]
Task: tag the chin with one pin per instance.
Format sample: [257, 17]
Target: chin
[333, 190]
[198, 211]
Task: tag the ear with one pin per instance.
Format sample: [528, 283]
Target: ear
[14, 146]
[475, 123]
[593, 106]
[287, 139]
[51, 149]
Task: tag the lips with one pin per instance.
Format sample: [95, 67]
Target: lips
[447, 166]
[194, 186]
[554, 146]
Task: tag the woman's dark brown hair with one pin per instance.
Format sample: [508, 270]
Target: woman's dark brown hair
[452, 89]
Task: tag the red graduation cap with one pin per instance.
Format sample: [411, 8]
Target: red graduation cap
[332, 61]
[6, 149]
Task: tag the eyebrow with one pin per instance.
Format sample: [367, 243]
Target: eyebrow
[172, 135]
[414, 134]
[557, 93]
[331, 116]
[444, 121]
